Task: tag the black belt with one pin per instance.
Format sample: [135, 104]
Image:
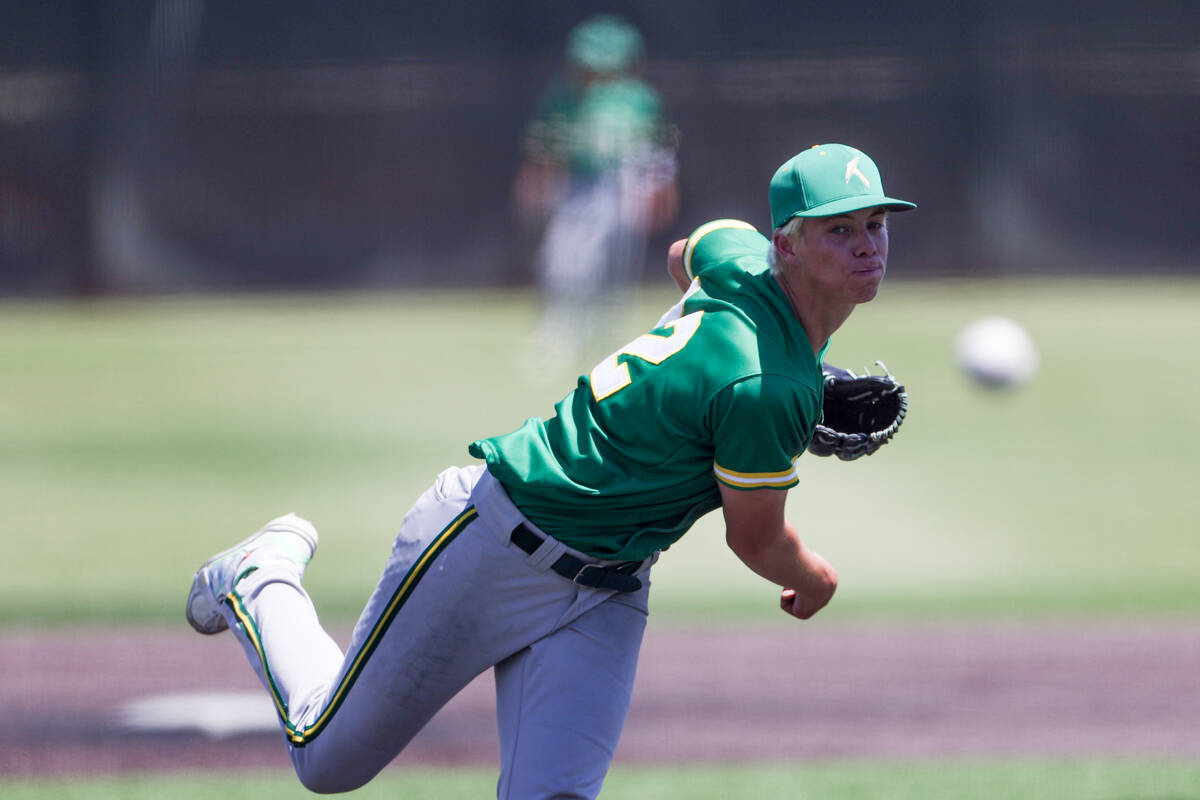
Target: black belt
[595, 576]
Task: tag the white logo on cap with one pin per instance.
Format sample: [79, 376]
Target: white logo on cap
[852, 169]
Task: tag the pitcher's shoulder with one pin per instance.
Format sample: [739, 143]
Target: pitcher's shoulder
[725, 241]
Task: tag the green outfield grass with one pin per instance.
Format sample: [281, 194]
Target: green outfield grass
[852, 780]
[137, 437]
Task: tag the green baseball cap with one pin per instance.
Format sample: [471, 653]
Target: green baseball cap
[604, 43]
[825, 180]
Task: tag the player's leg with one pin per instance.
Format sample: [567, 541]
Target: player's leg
[409, 652]
[346, 717]
[562, 702]
[456, 597]
[255, 588]
[571, 266]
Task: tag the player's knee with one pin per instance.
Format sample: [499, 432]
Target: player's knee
[329, 782]
[322, 777]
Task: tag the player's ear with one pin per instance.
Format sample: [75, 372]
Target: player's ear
[783, 244]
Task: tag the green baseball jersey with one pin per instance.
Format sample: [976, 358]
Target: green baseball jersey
[725, 388]
[597, 127]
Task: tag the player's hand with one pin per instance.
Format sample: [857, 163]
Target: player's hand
[799, 605]
[805, 601]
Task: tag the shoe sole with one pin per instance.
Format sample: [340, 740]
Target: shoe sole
[203, 610]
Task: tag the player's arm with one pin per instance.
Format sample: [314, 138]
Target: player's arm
[759, 534]
[675, 266]
[538, 187]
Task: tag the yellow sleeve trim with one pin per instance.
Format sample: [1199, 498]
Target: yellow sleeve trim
[704, 230]
[754, 480]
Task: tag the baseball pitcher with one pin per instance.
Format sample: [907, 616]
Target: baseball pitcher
[535, 561]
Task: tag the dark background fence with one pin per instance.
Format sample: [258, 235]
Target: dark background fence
[211, 145]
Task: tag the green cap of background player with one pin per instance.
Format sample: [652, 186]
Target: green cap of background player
[604, 43]
[825, 180]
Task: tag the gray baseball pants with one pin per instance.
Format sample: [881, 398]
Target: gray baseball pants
[456, 597]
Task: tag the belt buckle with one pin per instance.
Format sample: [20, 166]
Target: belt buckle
[595, 576]
[590, 575]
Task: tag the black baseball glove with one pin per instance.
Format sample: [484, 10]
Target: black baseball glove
[861, 413]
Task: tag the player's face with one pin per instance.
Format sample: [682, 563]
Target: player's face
[844, 257]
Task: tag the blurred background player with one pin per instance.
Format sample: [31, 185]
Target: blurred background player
[598, 175]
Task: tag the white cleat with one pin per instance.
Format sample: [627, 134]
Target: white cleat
[287, 539]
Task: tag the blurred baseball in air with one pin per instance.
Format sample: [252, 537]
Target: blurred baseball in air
[996, 352]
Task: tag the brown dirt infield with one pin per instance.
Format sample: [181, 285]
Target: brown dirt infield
[800, 691]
